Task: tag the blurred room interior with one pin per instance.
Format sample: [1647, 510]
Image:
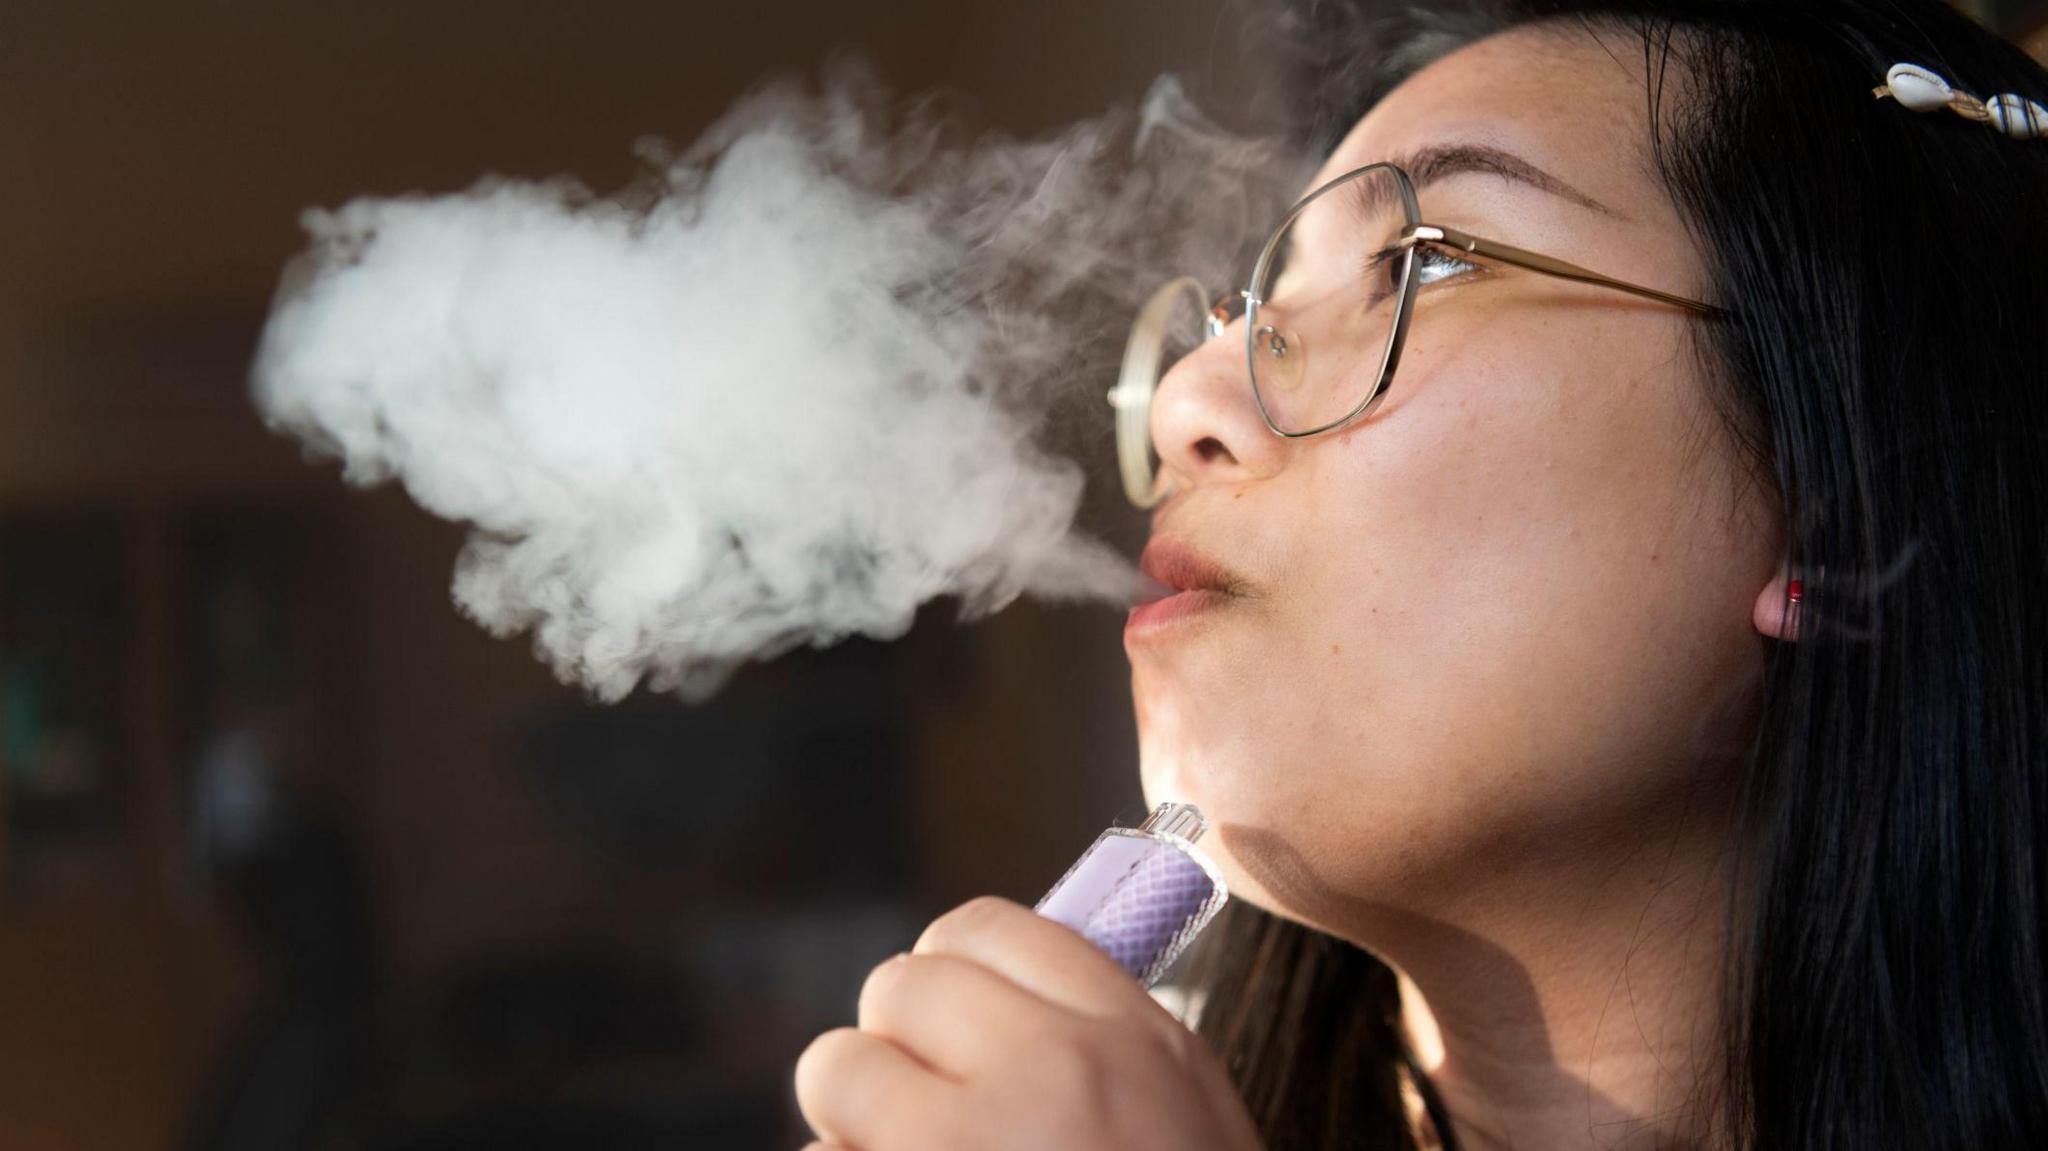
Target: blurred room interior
[292, 854]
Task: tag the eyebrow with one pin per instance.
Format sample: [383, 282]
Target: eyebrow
[1442, 161]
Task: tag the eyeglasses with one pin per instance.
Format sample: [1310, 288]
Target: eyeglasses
[1325, 314]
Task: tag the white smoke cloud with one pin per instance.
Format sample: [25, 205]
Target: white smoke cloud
[785, 388]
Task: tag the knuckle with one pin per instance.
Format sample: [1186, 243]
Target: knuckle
[970, 918]
[837, 1092]
[877, 990]
[1171, 1042]
[817, 1067]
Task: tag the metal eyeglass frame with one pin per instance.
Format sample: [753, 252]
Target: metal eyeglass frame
[1142, 354]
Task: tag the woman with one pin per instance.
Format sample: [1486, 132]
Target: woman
[1652, 676]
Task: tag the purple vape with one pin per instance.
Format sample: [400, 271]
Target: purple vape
[1141, 894]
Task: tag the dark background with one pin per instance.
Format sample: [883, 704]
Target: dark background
[291, 855]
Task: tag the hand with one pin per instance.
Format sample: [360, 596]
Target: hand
[1004, 1031]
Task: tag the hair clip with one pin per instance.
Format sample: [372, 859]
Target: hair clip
[1921, 90]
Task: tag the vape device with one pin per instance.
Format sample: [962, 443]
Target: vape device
[1142, 893]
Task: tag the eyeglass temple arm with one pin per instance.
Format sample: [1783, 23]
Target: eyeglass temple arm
[1549, 266]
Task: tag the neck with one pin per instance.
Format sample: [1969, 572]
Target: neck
[1589, 1021]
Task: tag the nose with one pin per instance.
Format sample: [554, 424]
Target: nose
[1205, 423]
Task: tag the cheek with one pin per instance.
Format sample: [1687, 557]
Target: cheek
[1525, 592]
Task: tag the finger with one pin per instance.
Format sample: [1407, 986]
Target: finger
[864, 1091]
[1044, 958]
[953, 1013]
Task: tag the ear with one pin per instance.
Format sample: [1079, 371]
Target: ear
[1776, 611]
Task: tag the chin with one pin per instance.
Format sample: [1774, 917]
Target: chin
[1163, 785]
[1169, 775]
[1167, 779]
[1274, 848]
[1250, 807]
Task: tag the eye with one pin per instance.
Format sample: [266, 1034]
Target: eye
[1432, 265]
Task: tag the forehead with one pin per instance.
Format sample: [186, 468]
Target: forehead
[1568, 102]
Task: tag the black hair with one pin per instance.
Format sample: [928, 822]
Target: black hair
[1882, 375]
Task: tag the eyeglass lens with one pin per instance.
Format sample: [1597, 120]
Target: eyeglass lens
[1324, 303]
[1318, 329]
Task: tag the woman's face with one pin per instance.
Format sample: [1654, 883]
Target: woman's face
[1496, 629]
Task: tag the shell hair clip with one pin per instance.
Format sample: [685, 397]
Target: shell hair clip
[1921, 90]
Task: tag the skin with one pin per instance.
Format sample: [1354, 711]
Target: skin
[1477, 709]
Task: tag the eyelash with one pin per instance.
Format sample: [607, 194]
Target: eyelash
[1377, 267]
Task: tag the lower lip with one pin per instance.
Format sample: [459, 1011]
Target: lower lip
[1177, 608]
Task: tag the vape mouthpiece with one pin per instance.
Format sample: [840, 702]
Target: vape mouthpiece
[1182, 819]
[1141, 894]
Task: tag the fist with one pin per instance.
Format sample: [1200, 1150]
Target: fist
[1001, 1031]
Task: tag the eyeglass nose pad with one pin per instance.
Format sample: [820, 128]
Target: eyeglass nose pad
[1276, 341]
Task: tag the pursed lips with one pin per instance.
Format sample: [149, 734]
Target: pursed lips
[1175, 566]
[1182, 582]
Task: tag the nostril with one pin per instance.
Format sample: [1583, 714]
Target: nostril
[1209, 448]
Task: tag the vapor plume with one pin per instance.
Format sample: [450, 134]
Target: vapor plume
[788, 385]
